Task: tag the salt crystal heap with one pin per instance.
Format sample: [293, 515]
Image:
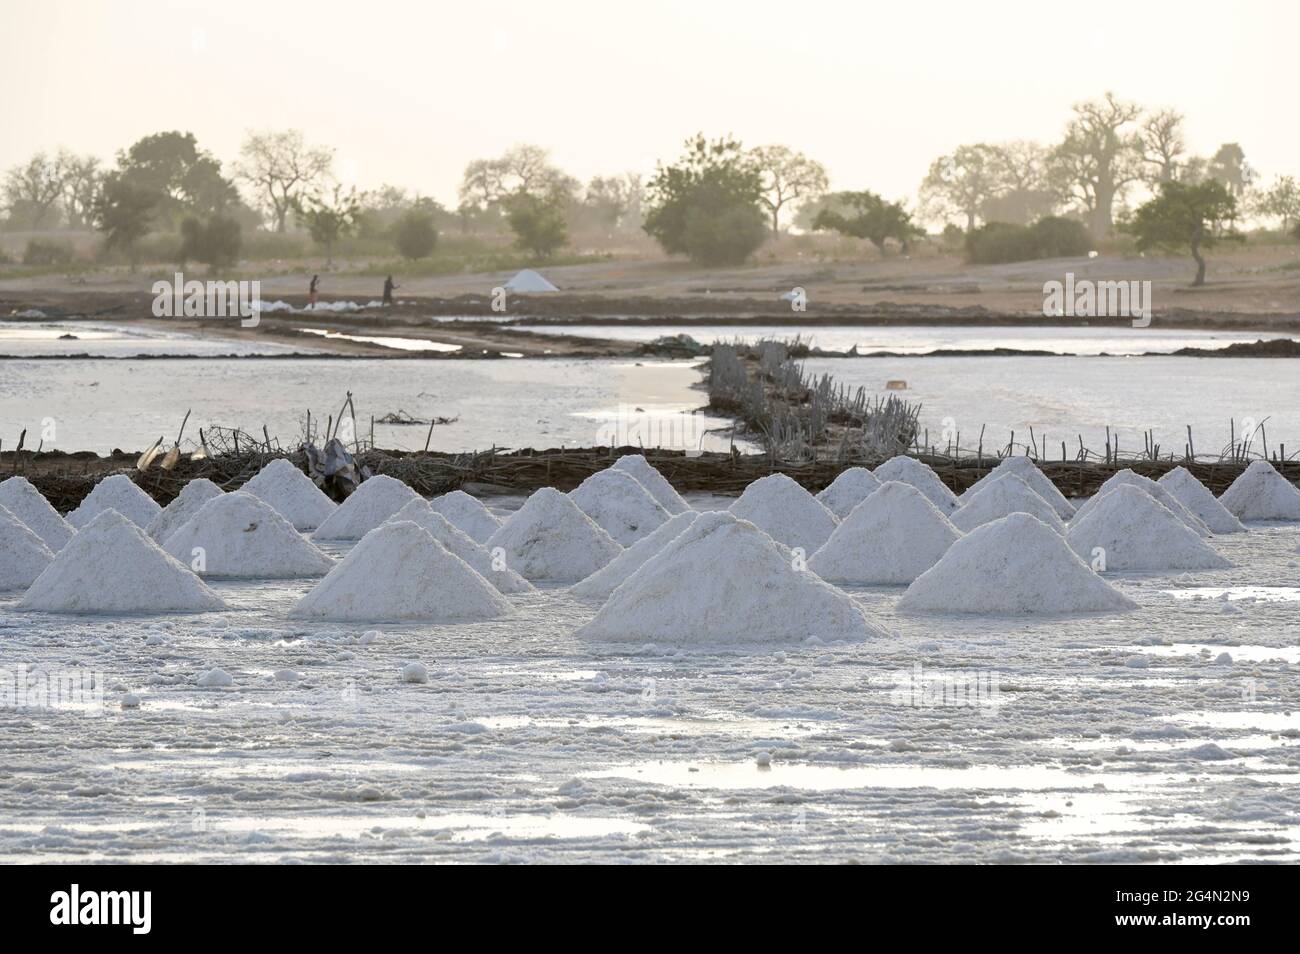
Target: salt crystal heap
[467, 513]
[605, 580]
[1196, 497]
[1134, 532]
[398, 572]
[1005, 494]
[239, 535]
[187, 503]
[786, 512]
[848, 490]
[112, 566]
[724, 581]
[464, 546]
[1126, 476]
[1261, 493]
[23, 555]
[1014, 566]
[119, 493]
[1028, 471]
[26, 503]
[373, 502]
[620, 505]
[655, 483]
[549, 538]
[292, 493]
[909, 470]
[893, 536]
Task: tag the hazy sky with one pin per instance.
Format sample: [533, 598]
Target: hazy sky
[409, 92]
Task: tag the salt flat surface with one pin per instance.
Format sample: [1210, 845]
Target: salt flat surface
[103, 339]
[1108, 739]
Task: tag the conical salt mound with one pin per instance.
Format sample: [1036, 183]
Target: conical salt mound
[786, 512]
[909, 470]
[23, 555]
[1127, 477]
[605, 580]
[1014, 566]
[292, 493]
[377, 499]
[461, 544]
[467, 513]
[655, 483]
[723, 581]
[1261, 493]
[119, 493]
[1003, 495]
[112, 566]
[239, 535]
[26, 503]
[848, 490]
[1196, 497]
[549, 538]
[893, 536]
[1133, 532]
[1028, 471]
[399, 572]
[620, 505]
[187, 503]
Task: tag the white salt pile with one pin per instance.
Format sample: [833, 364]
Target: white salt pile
[292, 493]
[119, 493]
[1196, 497]
[1028, 471]
[399, 572]
[23, 555]
[25, 502]
[893, 536]
[549, 538]
[467, 513]
[239, 535]
[373, 502]
[909, 470]
[461, 544]
[1129, 478]
[187, 503]
[786, 512]
[1261, 493]
[111, 566]
[723, 581]
[1017, 565]
[620, 505]
[655, 483]
[1005, 494]
[1134, 532]
[848, 490]
[605, 580]
[529, 282]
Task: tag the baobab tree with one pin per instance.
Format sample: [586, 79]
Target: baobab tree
[1100, 156]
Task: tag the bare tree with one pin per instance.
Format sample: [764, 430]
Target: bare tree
[33, 187]
[281, 167]
[1099, 157]
[788, 176]
[961, 183]
[1163, 145]
[81, 182]
[522, 170]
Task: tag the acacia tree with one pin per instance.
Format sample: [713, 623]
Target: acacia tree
[787, 176]
[1100, 156]
[961, 183]
[1281, 200]
[281, 168]
[122, 211]
[329, 216]
[34, 186]
[1190, 217]
[868, 217]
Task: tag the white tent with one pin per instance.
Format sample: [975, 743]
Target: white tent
[529, 282]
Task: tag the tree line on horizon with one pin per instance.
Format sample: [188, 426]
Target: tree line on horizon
[717, 203]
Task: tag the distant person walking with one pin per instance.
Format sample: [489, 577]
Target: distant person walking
[311, 292]
[389, 287]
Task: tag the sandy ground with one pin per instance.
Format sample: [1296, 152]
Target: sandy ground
[1120, 739]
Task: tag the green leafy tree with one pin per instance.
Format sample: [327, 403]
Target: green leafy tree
[330, 217]
[869, 217]
[538, 222]
[1281, 201]
[123, 211]
[960, 184]
[708, 205]
[415, 234]
[1187, 217]
[185, 179]
[215, 242]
